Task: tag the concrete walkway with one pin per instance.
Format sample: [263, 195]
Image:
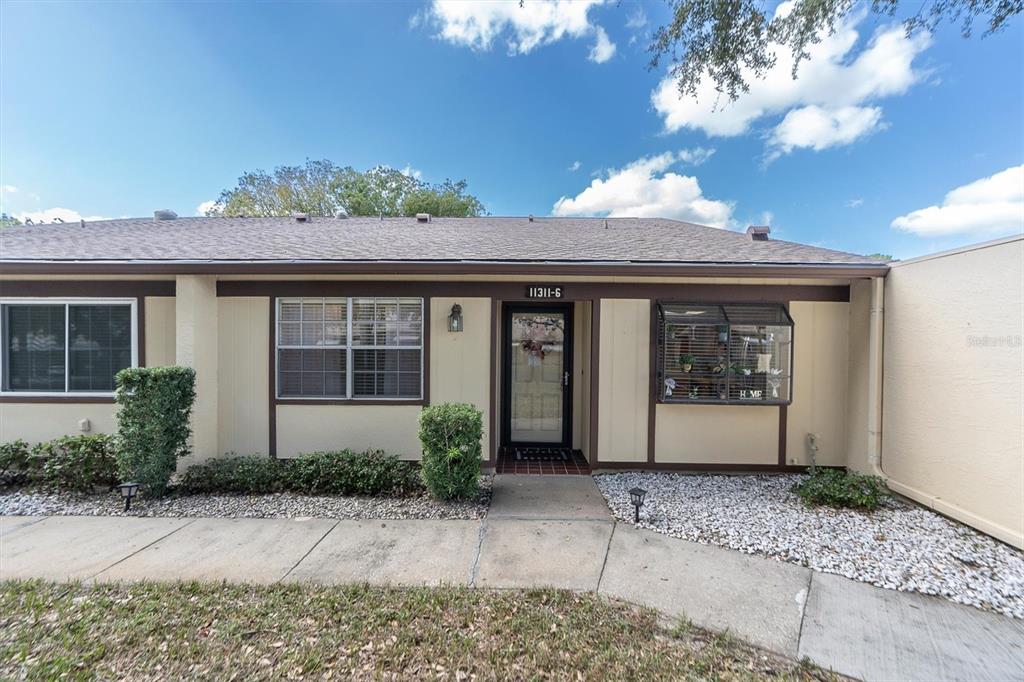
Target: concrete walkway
[545, 531]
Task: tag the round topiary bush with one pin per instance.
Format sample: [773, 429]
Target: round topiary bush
[450, 434]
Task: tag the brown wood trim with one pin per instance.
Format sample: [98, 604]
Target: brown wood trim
[425, 398]
[783, 419]
[512, 291]
[272, 370]
[353, 402]
[704, 467]
[450, 267]
[595, 371]
[140, 330]
[67, 398]
[86, 288]
[492, 448]
[655, 387]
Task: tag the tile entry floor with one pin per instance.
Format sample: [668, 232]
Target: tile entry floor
[513, 460]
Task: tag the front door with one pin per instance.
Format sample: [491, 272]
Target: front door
[537, 375]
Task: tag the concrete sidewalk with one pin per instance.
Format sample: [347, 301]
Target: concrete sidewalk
[530, 539]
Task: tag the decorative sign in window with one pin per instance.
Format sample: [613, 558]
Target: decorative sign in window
[545, 291]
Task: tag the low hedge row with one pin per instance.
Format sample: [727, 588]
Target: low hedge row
[341, 472]
[69, 463]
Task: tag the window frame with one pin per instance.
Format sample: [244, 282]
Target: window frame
[350, 398]
[67, 302]
[659, 328]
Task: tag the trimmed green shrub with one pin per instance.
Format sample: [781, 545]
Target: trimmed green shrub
[450, 434]
[840, 488]
[153, 423]
[16, 462]
[243, 475]
[352, 473]
[77, 462]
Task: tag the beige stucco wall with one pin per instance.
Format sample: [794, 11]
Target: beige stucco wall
[716, 434]
[858, 369]
[36, 422]
[624, 380]
[821, 334]
[953, 404]
[160, 332]
[460, 362]
[307, 428]
[243, 384]
[196, 346]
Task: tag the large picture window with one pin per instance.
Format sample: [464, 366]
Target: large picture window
[65, 347]
[724, 354]
[350, 348]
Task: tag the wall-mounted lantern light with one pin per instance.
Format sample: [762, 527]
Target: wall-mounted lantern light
[636, 496]
[455, 319]
[128, 491]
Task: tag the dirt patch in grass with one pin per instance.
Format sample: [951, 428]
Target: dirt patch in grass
[188, 630]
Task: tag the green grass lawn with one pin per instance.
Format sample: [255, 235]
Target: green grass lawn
[190, 630]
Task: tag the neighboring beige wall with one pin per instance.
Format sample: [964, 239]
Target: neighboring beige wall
[858, 369]
[35, 422]
[243, 385]
[624, 380]
[716, 434]
[821, 333]
[307, 428]
[460, 362]
[953, 411]
[160, 332]
[196, 346]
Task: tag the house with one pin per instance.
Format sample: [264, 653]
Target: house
[586, 342]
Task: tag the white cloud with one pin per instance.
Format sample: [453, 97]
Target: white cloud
[411, 172]
[826, 105]
[646, 188]
[637, 19]
[51, 215]
[477, 24]
[767, 218]
[604, 49]
[695, 156]
[8, 189]
[813, 127]
[203, 208]
[574, 167]
[856, 202]
[989, 206]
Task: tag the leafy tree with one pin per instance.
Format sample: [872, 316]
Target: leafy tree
[321, 188]
[8, 220]
[728, 40]
[881, 256]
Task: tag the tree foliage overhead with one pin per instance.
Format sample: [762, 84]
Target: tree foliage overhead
[321, 188]
[731, 41]
[8, 220]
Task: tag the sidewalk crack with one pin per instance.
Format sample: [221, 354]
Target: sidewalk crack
[607, 551]
[803, 612]
[92, 577]
[308, 552]
[475, 568]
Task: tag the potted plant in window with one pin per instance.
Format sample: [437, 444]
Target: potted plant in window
[686, 362]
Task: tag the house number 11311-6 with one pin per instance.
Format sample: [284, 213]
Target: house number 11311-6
[544, 291]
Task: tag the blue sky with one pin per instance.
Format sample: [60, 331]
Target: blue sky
[118, 109]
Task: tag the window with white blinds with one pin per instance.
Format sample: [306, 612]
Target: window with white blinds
[65, 347]
[350, 348]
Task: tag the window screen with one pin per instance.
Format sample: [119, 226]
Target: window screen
[65, 347]
[724, 354]
[364, 348]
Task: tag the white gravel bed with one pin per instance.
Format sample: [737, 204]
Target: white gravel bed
[901, 546]
[280, 505]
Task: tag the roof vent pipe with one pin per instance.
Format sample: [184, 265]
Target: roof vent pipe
[164, 214]
[423, 217]
[759, 233]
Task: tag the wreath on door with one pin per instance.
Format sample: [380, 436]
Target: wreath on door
[533, 348]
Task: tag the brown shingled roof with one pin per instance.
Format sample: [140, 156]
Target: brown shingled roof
[487, 239]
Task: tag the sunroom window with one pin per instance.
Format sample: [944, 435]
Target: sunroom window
[724, 354]
[345, 348]
[65, 347]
